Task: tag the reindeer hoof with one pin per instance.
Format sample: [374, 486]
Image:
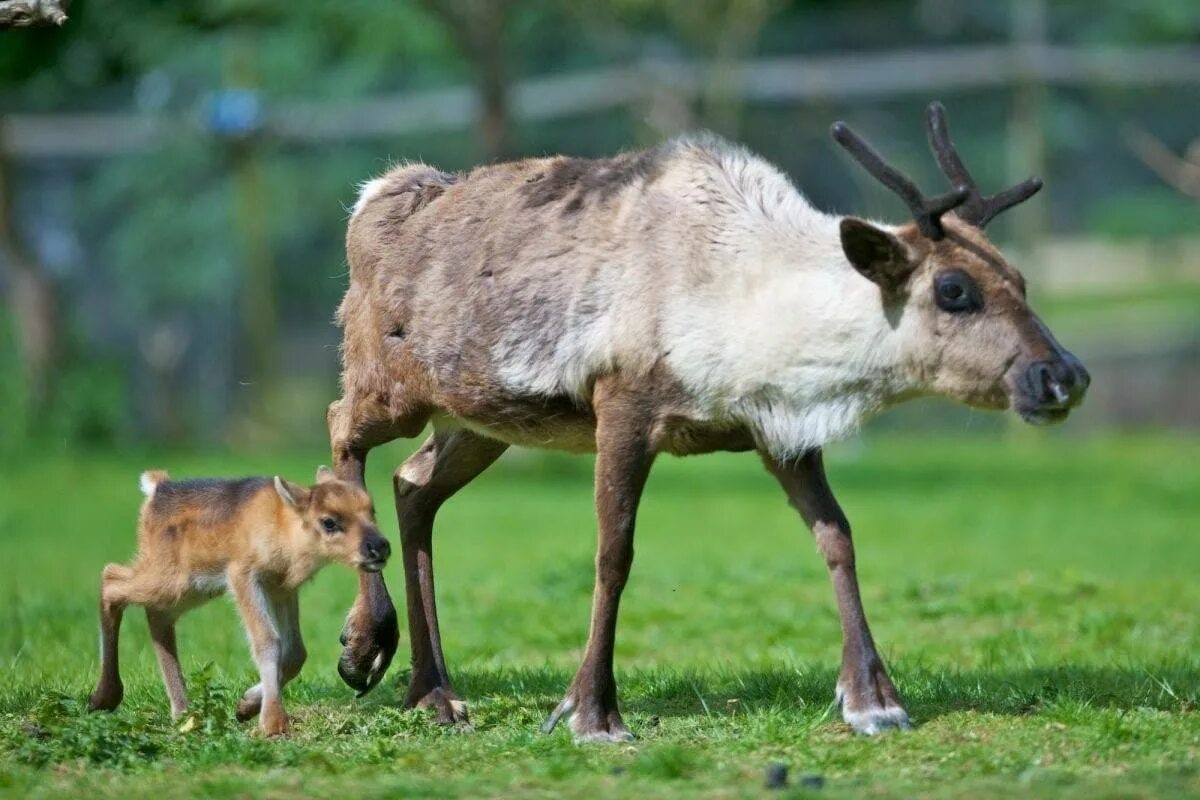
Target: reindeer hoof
[589, 722]
[450, 710]
[361, 671]
[366, 655]
[106, 699]
[873, 721]
[869, 702]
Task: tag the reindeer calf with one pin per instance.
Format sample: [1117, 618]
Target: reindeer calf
[258, 538]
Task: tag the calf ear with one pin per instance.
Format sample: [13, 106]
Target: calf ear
[877, 254]
[295, 496]
[325, 475]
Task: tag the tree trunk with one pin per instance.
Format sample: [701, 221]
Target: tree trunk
[32, 301]
[478, 29]
[493, 81]
[258, 294]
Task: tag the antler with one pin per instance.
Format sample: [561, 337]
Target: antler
[926, 211]
[974, 208]
[977, 210]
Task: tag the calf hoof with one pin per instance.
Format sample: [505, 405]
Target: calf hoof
[106, 698]
[274, 724]
[589, 721]
[449, 709]
[248, 708]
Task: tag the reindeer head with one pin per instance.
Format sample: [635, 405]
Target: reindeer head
[976, 340]
[339, 518]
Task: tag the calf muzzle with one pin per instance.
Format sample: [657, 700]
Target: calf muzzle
[374, 552]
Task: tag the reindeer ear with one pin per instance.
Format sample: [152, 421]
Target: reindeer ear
[295, 496]
[877, 254]
[325, 475]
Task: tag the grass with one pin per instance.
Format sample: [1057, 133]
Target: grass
[1035, 597]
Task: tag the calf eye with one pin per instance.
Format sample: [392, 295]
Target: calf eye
[330, 524]
[955, 291]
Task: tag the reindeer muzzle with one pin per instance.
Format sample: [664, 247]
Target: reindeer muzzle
[1049, 389]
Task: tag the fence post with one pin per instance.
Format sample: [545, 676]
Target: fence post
[237, 116]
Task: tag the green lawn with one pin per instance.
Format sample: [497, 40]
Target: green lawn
[1035, 596]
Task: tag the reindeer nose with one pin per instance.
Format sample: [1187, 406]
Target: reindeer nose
[1083, 378]
[1059, 383]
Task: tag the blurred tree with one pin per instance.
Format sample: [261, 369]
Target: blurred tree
[32, 300]
[718, 32]
[726, 31]
[162, 220]
[1180, 172]
[479, 28]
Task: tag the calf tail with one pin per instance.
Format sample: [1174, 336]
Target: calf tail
[150, 480]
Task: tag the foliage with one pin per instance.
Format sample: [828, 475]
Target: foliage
[1156, 213]
[1032, 595]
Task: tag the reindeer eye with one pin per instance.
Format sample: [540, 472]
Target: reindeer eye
[330, 524]
[956, 292]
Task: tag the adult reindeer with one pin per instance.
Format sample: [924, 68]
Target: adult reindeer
[686, 299]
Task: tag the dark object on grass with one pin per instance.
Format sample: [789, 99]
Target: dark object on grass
[812, 781]
[35, 731]
[777, 775]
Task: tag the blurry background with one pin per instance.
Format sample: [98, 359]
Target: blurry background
[174, 177]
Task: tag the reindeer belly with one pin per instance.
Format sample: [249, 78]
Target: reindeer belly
[545, 423]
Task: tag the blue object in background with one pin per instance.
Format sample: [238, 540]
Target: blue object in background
[235, 113]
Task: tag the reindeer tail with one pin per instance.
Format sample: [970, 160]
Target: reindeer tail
[150, 480]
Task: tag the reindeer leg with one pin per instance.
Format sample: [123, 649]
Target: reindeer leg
[448, 461]
[868, 698]
[623, 460]
[113, 599]
[162, 633]
[371, 633]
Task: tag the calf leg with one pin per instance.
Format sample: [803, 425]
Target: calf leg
[868, 698]
[162, 633]
[285, 610]
[113, 599]
[265, 642]
[371, 634]
[623, 460]
[448, 461]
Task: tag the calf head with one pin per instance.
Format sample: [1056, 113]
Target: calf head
[973, 336]
[340, 520]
